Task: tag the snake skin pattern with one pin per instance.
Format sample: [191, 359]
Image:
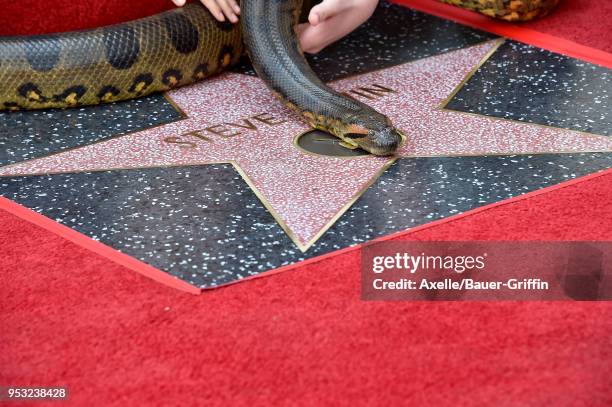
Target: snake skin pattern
[509, 10]
[157, 53]
[118, 62]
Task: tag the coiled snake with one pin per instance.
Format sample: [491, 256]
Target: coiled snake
[177, 48]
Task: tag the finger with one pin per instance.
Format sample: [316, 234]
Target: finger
[310, 38]
[325, 10]
[214, 9]
[227, 10]
[179, 3]
[313, 38]
[235, 6]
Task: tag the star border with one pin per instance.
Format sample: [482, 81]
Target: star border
[305, 247]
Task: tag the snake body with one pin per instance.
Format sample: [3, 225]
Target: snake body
[114, 63]
[509, 10]
[176, 48]
[184, 45]
[278, 60]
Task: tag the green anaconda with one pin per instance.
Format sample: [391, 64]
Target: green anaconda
[117, 62]
[184, 45]
[509, 10]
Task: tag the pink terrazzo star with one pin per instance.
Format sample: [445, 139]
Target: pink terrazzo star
[234, 118]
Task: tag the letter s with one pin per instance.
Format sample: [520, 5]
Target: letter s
[480, 262]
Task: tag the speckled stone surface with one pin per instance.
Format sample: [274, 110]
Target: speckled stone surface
[205, 226]
[27, 135]
[415, 191]
[307, 192]
[393, 35]
[521, 82]
[202, 224]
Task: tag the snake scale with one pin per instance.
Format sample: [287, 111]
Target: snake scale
[184, 45]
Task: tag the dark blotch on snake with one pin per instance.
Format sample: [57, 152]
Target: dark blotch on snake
[225, 56]
[78, 91]
[201, 71]
[170, 75]
[108, 90]
[12, 105]
[224, 25]
[143, 81]
[183, 34]
[43, 53]
[31, 92]
[121, 46]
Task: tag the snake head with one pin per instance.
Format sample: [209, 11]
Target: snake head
[378, 137]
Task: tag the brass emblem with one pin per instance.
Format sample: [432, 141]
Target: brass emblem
[317, 142]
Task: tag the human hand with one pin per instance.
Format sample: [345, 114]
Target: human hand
[331, 20]
[220, 9]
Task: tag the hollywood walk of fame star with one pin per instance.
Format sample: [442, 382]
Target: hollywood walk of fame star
[235, 119]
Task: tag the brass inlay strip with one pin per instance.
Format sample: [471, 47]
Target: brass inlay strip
[496, 44]
[350, 203]
[175, 105]
[281, 222]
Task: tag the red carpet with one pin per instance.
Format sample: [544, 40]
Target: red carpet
[582, 21]
[26, 17]
[114, 337]
[578, 32]
[69, 317]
